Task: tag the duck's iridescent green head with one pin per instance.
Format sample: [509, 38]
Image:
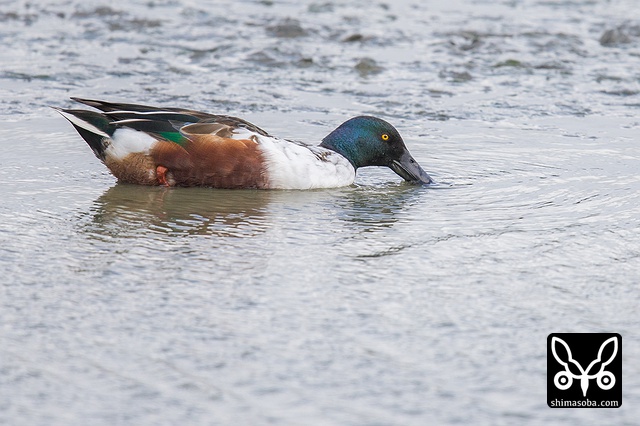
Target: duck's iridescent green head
[370, 141]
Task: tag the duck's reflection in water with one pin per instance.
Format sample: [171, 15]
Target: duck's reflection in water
[369, 208]
[132, 209]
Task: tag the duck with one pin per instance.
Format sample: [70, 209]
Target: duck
[177, 147]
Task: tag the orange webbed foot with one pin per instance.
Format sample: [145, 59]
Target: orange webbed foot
[161, 175]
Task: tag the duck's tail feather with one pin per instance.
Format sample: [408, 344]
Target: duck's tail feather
[119, 110]
[95, 128]
[122, 111]
[113, 106]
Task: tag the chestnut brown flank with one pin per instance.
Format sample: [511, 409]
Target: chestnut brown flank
[134, 168]
[210, 160]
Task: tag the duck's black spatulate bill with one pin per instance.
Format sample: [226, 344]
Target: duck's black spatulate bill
[409, 169]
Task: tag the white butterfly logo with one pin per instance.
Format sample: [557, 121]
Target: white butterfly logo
[564, 379]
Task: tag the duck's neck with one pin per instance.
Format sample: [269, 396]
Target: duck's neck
[338, 142]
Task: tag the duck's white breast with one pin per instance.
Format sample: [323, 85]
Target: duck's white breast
[291, 165]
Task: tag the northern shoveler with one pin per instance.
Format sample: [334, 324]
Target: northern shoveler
[179, 147]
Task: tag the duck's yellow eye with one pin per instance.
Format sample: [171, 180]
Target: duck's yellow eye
[385, 137]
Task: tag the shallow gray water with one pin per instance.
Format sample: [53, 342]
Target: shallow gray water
[380, 303]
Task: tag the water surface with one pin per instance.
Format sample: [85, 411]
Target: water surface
[380, 303]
